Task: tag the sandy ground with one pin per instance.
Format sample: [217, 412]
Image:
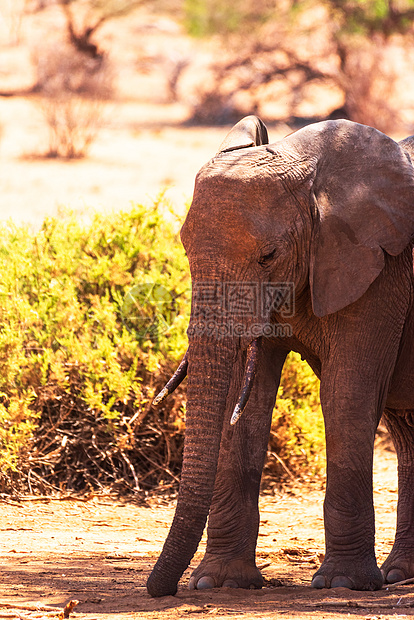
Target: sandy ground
[100, 552]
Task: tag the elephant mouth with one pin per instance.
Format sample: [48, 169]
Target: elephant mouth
[246, 387]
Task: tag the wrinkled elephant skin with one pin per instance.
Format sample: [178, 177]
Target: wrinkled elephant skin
[302, 245]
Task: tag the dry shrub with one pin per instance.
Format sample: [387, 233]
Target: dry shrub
[217, 108]
[73, 89]
[308, 63]
[73, 124]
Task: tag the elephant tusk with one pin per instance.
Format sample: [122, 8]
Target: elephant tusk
[249, 375]
[174, 382]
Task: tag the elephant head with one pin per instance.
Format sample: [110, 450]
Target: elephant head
[313, 214]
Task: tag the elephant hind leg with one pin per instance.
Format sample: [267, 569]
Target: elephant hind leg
[399, 565]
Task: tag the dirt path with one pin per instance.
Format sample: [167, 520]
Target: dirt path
[100, 552]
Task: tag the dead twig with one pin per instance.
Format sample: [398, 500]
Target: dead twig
[279, 460]
[405, 582]
[131, 467]
[29, 607]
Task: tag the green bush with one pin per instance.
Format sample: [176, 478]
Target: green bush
[92, 323]
[297, 438]
[203, 18]
[70, 361]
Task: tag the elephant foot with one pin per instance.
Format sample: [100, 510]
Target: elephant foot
[217, 572]
[398, 566]
[348, 574]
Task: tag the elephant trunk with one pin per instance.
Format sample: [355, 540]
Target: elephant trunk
[209, 374]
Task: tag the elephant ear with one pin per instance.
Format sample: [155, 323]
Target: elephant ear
[250, 131]
[408, 145]
[364, 196]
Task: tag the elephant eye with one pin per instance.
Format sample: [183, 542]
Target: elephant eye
[266, 258]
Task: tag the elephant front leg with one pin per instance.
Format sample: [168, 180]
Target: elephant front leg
[399, 565]
[351, 410]
[229, 560]
[233, 524]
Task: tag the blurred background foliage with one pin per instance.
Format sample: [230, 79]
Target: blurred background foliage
[342, 58]
[345, 44]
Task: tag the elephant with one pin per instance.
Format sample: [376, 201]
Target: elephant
[302, 245]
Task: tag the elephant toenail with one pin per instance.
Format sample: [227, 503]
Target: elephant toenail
[206, 583]
[230, 583]
[318, 582]
[192, 583]
[394, 575]
[342, 582]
